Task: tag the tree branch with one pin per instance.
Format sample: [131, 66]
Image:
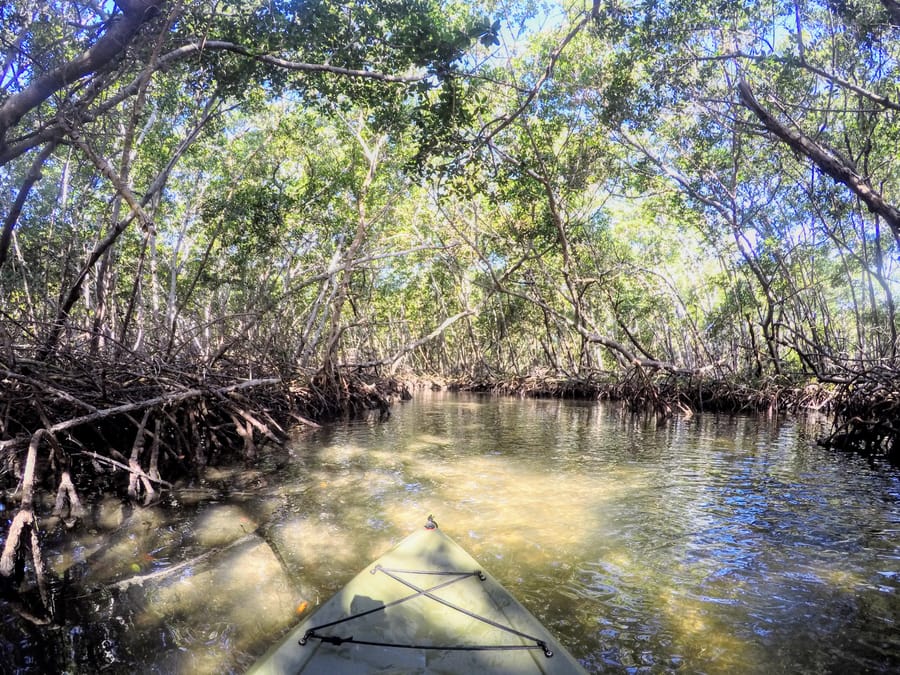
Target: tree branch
[879, 99]
[485, 136]
[54, 132]
[825, 159]
[32, 177]
[893, 8]
[114, 41]
[221, 45]
[445, 324]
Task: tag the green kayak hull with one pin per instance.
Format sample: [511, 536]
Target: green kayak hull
[426, 606]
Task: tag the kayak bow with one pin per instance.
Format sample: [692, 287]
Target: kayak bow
[425, 606]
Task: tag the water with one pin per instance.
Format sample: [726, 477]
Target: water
[710, 545]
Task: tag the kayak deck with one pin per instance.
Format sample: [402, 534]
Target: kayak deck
[426, 606]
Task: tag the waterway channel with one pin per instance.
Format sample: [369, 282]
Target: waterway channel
[707, 545]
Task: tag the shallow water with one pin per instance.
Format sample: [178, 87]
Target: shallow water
[711, 545]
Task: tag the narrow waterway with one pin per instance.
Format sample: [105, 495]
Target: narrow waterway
[709, 545]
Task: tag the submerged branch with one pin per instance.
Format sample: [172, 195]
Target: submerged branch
[174, 569]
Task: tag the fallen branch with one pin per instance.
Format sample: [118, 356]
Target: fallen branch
[38, 384]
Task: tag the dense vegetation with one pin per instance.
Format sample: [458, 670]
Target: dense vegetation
[220, 215]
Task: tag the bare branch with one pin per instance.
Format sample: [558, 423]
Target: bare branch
[506, 120]
[300, 66]
[445, 324]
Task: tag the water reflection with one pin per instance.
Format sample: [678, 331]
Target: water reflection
[713, 545]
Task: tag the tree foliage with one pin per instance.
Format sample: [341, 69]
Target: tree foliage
[572, 188]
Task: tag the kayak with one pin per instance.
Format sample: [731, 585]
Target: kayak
[425, 606]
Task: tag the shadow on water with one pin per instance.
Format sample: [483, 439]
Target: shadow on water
[714, 545]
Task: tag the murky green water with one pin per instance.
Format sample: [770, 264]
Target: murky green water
[711, 545]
